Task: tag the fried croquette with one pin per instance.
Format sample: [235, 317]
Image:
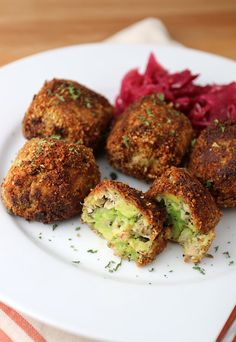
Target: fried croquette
[213, 161]
[131, 224]
[192, 213]
[49, 179]
[69, 110]
[148, 138]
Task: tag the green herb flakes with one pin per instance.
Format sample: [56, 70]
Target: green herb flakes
[74, 150]
[112, 266]
[151, 269]
[126, 141]
[226, 254]
[50, 92]
[54, 226]
[216, 248]
[73, 92]
[199, 269]
[209, 256]
[209, 183]
[144, 120]
[77, 228]
[149, 112]
[231, 263]
[76, 262]
[92, 251]
[60, 97]
[193, 142]
[161, 97]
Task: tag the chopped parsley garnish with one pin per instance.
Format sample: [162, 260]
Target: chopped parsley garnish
[54, 226]
[112, 266]
[209, 183]
[76, 262]
[79, 142]
[113, 176]
[231, 263]
[193, 142]
[74, 93]
[226, 254]
[216, 248]
[60, 97]
[92, 251]
[222, 127]
[144, 120]
[161, 97]
[50, 92]
[149, 112]
[126, 140]
[171, 271]
[74, 150]
[209, 256]
[69, 239]
[78, 228]
[199, 269]
[151, 269]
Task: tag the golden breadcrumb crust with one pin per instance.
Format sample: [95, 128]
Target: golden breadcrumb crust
[152, 212]
[148, 138]
[213, 161]
[69, 110]
[48, 180]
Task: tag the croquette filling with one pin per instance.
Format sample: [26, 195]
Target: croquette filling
[183, 230]
[120, 223]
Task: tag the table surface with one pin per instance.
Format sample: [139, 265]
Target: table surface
[30, 26]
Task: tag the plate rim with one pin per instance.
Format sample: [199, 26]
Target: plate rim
[8, 301]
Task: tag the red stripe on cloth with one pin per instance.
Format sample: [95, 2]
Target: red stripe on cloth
[22, 323]
[4, 337]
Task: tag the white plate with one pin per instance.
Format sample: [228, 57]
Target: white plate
[37, 275]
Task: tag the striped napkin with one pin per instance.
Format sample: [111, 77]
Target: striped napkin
[16, 327]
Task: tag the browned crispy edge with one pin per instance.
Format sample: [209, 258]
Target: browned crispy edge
[180, 183]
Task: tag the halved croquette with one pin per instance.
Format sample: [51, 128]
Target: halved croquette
[131, 224]
[192, 213]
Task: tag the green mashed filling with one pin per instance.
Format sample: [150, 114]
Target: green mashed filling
[121, 224]
[183, 230]
[178, 217]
